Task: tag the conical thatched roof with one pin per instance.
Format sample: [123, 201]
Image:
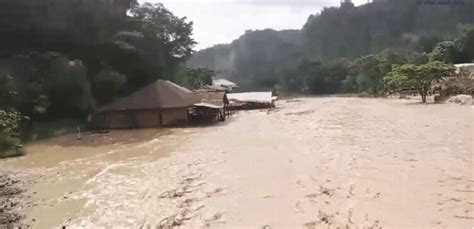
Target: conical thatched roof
[161, 94]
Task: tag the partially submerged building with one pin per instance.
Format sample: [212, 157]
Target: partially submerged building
[468, 67]
[461, 83]
[212, 104]
[251, 100]
[160, 104]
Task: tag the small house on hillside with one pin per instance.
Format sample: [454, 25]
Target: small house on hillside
[160, 104]
[223, 83]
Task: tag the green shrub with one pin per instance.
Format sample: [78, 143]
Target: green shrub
[9, 129]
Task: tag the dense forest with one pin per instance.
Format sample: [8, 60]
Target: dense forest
[326, 55]
[63, 59]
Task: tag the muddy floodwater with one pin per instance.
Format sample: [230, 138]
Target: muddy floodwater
[311, 163]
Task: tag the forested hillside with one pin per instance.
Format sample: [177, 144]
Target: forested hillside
[332, 38]
[62, 59]
[255, 58]
[78, 54]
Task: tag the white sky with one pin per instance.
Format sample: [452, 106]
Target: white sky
[222, 21]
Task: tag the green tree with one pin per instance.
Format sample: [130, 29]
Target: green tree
[76, 28]
[63, 56]
[30, 75]
[419, 77]
[8, 91]
[326, 78]
[9, 118]
[107, 84]
[467, 38]
[198, 77]
[315, 77]
[153, 45]
[449, 52]
[370, 71]
[350, 32]
[69, 88]
[349, 84]
[427, 43]
[293, 81]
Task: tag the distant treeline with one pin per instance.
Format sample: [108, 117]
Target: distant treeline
[327, 55]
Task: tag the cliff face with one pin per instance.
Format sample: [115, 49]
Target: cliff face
[259, 58]
[255, 56]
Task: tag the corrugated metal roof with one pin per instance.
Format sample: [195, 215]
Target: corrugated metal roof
[464, 65]
[255, 97]
[469, 66]
[208, 105]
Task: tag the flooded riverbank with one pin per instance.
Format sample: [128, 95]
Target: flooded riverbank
[312, 163]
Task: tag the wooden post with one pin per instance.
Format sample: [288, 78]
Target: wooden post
[160, 116]
[187, 116]
[108, 120]
[78, 129]
[133, 115]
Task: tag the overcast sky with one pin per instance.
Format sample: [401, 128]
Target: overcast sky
[222, 21]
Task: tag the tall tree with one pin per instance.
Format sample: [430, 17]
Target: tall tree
[153, 45]
[197, 77]
[419, 77]
[450, 52]
[467, 38]
[370, 71]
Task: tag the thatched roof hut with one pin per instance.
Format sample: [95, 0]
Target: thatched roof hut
[162, 94]
[160, 104]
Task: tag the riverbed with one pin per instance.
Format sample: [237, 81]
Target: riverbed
[310, 163]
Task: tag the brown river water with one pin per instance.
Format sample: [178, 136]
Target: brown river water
[310, 163]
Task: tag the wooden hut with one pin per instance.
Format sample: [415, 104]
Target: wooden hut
[160, 104]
